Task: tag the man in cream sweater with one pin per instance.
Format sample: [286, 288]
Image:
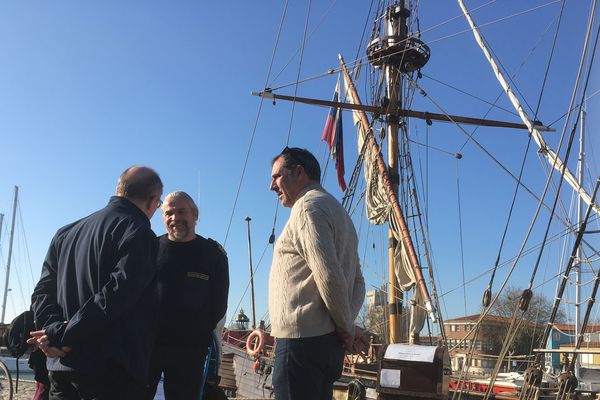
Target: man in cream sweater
[316, 288]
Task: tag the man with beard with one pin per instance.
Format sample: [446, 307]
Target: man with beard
[193, 282]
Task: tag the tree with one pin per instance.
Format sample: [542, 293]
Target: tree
[374, 320]
[533, 322]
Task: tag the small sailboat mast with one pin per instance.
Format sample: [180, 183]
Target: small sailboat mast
[10, 245]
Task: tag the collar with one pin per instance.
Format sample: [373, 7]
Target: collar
[122, 202]
[307, 188]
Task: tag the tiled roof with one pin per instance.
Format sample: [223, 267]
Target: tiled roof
[475, 318]
[570, 327]
[488, 318]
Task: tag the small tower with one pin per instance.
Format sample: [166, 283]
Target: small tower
[241, 321]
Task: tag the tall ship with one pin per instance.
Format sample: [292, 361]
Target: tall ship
[467, 153]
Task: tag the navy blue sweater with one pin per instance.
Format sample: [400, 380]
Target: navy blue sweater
[193, 282]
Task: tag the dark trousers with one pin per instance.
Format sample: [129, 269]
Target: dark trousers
[182, 368]
[306, 368]
[116, 384]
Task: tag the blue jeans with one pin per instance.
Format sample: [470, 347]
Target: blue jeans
[306, 368]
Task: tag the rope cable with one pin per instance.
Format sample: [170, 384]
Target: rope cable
[481, 147]
[573, 130]
[304, 38]
[315, 29]
[522, 168]
[352, 63]
[237, 195]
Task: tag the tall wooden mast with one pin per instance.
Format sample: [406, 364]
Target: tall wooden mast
[395, 53]
[392, 76]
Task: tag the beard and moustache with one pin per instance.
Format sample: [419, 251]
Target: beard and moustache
[179, 230]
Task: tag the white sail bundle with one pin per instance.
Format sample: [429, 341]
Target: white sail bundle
[378, 206]
[379, 211]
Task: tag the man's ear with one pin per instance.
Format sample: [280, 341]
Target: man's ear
[150, 205]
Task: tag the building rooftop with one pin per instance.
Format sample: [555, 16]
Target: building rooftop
[475, 318]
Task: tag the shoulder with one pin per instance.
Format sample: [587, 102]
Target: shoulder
[217, 246]
[319, 202]
[211, 244]
[62, 232]
[67, 232]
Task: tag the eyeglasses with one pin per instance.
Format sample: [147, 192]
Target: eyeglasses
[159, 203]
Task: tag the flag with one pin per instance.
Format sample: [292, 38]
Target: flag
[333, 135]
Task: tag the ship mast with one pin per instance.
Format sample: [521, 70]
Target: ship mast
[395, 53]
[395, 27]
[580, 205]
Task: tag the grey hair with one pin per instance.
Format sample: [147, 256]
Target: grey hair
[184, 195]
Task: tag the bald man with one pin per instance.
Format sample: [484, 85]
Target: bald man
[95, 303]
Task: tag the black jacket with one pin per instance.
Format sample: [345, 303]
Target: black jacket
[193, 281]
[100, 276]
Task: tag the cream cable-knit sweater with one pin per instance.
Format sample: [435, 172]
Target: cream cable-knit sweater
[315, 284]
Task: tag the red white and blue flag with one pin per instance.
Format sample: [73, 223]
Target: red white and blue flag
[333, 135]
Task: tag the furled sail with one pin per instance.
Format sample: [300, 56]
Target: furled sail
[379, 210]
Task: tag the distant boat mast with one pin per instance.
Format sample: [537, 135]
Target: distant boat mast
[1, 220]
[10, 245]
[248, 219]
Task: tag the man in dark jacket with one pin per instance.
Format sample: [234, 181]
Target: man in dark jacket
[193, 282]
[96, 300]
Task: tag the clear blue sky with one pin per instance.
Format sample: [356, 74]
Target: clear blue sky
[88, 89]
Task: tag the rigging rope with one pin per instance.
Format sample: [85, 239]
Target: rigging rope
[491, 104]
[573, 130]
[574, 107]
[539, 205]
[547, 151]
[237, 194]
[488, 291]
[304, 38]
[481, 147]
[358, 60]
[317, 26]
[565, 385]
